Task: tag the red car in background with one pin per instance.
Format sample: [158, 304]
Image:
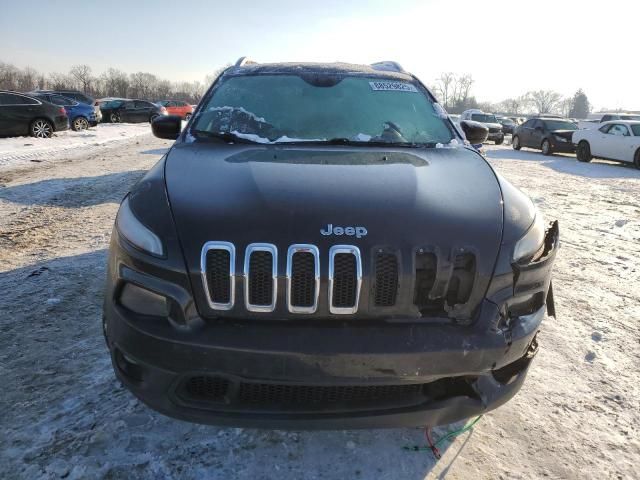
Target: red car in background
[175, 107]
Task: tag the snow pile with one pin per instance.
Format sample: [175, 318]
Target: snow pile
[16, 150]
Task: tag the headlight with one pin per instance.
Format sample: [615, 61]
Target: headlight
[135, 232]
[560, 139]
[532, 241]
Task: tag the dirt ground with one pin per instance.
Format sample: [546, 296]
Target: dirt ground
[63, 414]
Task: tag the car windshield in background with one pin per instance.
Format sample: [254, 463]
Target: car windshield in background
[506, 121]
[636, 130]
[290, 109]
[629, 117]
[560, 125]
[479, 117]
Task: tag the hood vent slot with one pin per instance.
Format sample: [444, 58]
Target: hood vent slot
[386, 280]
[303, 278]
[462, 279]
[260, 277]
[345, 279]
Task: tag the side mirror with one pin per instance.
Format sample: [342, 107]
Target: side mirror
[475, 132]
[167, 126]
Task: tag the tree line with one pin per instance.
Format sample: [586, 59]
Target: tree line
[111, 83]
[454, 93]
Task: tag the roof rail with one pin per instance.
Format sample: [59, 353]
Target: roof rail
[388, 66]
[242, 61]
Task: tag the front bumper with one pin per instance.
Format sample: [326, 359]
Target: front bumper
[458, 372]
[496, 136]
[563, 147]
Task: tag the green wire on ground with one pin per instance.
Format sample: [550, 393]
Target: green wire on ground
[447, 436]
[460, 431]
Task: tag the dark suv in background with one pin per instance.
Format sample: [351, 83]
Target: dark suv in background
[320, 248]
[22, 114]
[547, 134]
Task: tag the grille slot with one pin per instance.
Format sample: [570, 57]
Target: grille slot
[303, 278]
[217, 263]
[260, 272]
[266, 395]
[462, 279]
[211, 389]
[345, 279]
[386, 280]
[425, 277]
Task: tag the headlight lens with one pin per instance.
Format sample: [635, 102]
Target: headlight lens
[531, 242]
[135, 232]
[560, 139]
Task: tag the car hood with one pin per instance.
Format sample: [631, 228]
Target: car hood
[492, 125]
[405, 199]
[564, 133]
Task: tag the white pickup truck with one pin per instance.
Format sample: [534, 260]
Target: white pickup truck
[595, 120]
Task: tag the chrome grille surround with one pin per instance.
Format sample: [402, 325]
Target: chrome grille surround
[303, 248]
[261, 247]
[350, 250]
[229, 247]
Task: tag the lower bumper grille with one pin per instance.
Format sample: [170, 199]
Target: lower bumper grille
[224, 394]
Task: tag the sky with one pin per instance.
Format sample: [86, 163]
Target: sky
[508, 47]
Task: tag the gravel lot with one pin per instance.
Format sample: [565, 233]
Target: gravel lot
[63, 415]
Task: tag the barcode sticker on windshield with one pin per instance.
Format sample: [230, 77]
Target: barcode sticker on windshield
[393, 86]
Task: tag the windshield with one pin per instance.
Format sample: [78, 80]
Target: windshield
[560, 125]
[629, 117]
[507, 121]
[635, 129]
[289, 109]
[484, 118]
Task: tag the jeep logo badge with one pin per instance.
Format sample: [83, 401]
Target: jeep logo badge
[359, 232]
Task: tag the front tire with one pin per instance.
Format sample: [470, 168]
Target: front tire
[583, 152]
[515, 143]
[636, 159]
[152, 118]
[546, 147]
[79, 123]
[114, 118]
[41, 128]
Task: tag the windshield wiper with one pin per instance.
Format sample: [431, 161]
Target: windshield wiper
[378, 143]
[227, 137]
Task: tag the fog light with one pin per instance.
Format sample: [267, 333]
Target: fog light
[128, 366]
[142, 301]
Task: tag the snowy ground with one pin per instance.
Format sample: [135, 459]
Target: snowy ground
[19, 150]
[63, 415]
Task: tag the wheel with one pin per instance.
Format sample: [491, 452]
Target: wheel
[499, 141]
[515, 142]
[187, 117]
[636, 159]
[546, 148]
[583, 152]
[114, 118]
[41, 128]
[152, 118]
[79, 123]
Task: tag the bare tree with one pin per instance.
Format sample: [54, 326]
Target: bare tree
[544, 101]
[115, 83]
[444, 88]
[565, 105]
[82, 75]
[517, 105]
[60, 81]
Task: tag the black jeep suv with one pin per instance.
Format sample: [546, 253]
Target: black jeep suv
[320, 248]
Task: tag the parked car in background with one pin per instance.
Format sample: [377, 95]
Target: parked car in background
[81, 116]
[489, 120]
[78, 97]
[508, 125]
[547, 134]
[130, 111]
[595, 120]
[615, 140]
[175, 107]
[22, 114]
